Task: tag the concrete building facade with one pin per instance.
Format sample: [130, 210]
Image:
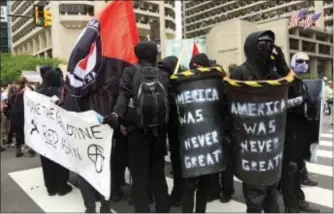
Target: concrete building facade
[5, 31]
[199, 17]
[70, 17]
[225, 43]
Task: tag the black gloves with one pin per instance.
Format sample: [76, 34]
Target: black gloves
[111, 120]
[282, 66]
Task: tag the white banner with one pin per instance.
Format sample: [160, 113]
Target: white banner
[76, 141]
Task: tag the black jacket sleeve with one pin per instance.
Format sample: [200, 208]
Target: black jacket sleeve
[238, 73]
[125, 91]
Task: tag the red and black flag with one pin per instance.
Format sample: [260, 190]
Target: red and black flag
[103, 50]
[195, 50]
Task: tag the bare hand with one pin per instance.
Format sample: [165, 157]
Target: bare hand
[123, 130]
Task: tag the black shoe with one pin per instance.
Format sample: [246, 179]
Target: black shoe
[289, 210]
[90, 211]
[51, 193]
[2, 149]
[19, 153]
[32, 153]
[175, 201]
[65, 190]
[130, 201]
[305, 207]
[225, 198]
[105, 207]
[309, 182]
[116, 196]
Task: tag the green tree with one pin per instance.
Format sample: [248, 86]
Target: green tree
[12, 66]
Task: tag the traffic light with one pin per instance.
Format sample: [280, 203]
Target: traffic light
[47, 18]
[39, 15]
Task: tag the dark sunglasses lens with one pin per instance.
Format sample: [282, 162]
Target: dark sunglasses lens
[302, 61]
[261, 45]
[264, 45]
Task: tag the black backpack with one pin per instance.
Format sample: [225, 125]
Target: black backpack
[151, 97]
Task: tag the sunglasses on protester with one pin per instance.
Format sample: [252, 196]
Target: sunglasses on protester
[265, 45]
[299, 61]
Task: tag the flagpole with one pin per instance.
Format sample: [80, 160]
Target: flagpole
[179, 61]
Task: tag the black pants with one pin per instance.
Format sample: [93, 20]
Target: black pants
[227, 175]
[174, 145]
[260, 198]
[55, 176]
[291, 187]
[303, 170]
[200, 185]
[19, 135]
[119, 163]
[90, 196]
[10, 135]
[214, 188]
[146, 162]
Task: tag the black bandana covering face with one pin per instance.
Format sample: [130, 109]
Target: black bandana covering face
[265, 46]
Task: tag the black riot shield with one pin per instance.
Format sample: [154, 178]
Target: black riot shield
[313, 113]
[199, 98]
[258, 119]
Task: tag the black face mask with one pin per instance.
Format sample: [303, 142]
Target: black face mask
[265, 46]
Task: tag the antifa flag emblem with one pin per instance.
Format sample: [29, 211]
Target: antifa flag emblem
[84, 67]
[104, 48]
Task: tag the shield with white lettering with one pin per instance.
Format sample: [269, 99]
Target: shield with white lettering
[199, 100]
[258, 115]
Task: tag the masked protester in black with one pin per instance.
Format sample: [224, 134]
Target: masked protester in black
[226, 183]
[296, 142]
[55, 176]
[168, 64]
[258, 50]
[201, 184]
[101, 101]
[17, 116]
[43, 69]
[147, 147]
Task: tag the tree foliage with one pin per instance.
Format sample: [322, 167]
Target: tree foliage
[12, 66]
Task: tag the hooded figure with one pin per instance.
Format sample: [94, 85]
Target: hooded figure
[200, 60]
[43, 69]
[51, 83]
[261, 64]
[55, 175]
[226, 190]
[168, 64]
[296, 139]
[147, 144]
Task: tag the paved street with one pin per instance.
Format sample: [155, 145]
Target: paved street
[22, 188]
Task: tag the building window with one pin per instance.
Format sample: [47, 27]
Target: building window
[76, 9]
[324, 49]
[49, 53]
[294, 44]
[321, 38]
[308, 46]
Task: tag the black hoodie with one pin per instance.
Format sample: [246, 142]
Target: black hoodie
[43, 69]
[51, 84]
[168, 64]
[146, 53]
[199, 60]
[252, 69]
